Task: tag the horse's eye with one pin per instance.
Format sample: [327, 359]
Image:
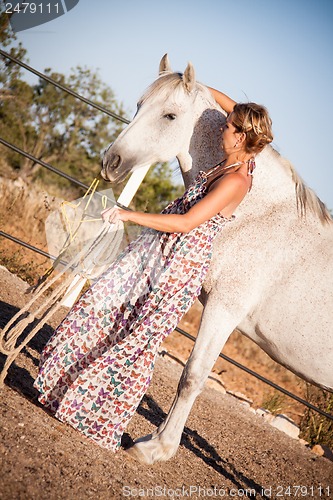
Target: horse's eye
[170, 116]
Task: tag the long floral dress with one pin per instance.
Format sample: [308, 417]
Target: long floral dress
[98, 364]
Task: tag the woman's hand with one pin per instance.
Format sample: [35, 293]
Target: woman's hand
[161, 222]
[114, 214]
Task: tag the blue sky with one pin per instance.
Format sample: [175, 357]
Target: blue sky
[276, 52]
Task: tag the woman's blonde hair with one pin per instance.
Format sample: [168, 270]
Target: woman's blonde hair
[254, 120]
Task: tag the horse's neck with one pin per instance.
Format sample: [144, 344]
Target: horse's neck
[272, 182]
[272, 187]
[205, 145]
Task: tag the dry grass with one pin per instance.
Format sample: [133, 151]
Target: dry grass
[315, 428]
[23, 212]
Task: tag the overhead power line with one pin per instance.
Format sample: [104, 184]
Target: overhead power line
[65, 89]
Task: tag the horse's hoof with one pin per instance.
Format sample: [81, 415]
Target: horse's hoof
[137, 455]
[150, 452]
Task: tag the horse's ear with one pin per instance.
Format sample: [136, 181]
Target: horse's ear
[165, 66]
[189, 77]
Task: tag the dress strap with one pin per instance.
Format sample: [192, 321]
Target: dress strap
[220, 165]
[251, 165]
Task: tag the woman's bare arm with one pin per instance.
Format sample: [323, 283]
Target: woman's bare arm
[223, 100]
[230, 189]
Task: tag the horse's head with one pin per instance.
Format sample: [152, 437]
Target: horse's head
[163, 126]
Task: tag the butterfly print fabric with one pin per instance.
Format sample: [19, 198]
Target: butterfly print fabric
[99, 362]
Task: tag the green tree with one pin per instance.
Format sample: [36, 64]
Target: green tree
[57, 128]
[8, 40]
[6, 33]
[11, 86]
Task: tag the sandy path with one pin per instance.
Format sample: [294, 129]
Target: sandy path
[225, 449]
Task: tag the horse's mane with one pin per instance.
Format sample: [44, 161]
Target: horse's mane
[167, 83]
[306, 198]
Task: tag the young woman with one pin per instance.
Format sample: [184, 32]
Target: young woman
[98, 364]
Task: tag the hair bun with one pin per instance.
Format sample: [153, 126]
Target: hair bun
[254, 120]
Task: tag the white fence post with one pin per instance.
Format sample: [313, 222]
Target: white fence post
[125, 198]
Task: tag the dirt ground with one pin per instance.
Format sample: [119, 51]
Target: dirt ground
[226, 450]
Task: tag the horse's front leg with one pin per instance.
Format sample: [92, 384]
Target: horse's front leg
[163, 443]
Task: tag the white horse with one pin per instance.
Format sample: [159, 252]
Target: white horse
[271, 276]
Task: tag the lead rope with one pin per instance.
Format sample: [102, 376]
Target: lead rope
[71, 235]
[40, 313]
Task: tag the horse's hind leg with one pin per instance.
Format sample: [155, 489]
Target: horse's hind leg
[163, 443]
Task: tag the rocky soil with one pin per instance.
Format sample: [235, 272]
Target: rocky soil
[226, 449]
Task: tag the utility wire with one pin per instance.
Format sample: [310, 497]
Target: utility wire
[189, 336]
[263, 379]
[62, 87]
[55, 170]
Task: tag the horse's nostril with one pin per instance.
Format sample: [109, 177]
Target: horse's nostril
[111, 162]
[111, 167]
[115, 162]
[103, 175]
